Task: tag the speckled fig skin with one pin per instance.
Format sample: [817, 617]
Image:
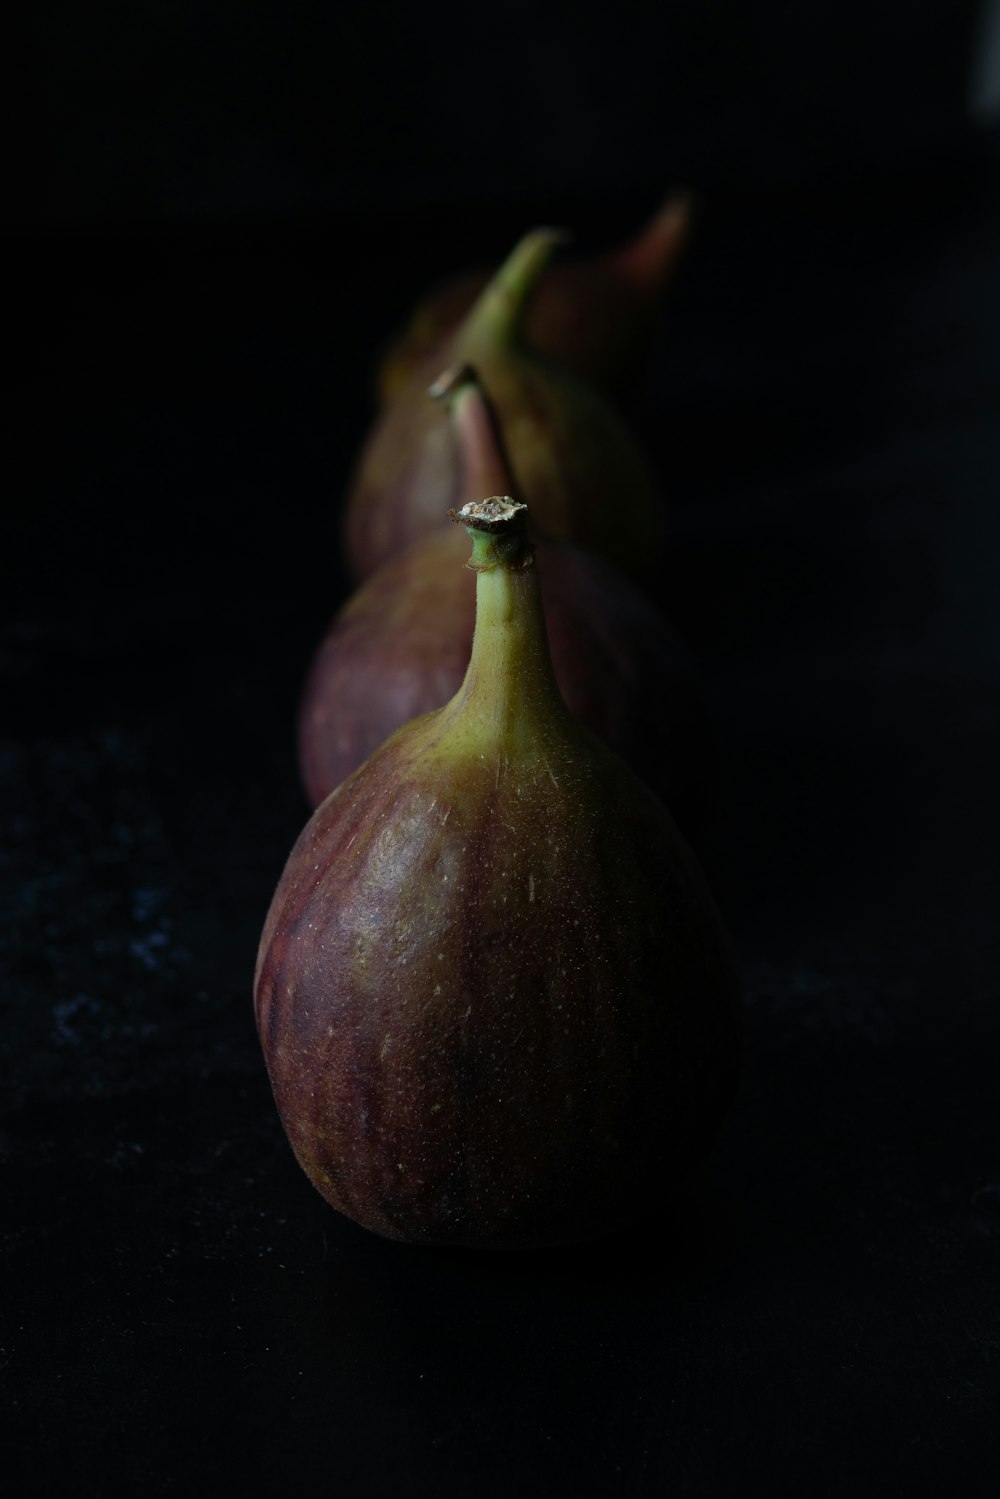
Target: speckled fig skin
[569, 448]
[594, 315]
[401, 645]
[492, 997]
[492, 988]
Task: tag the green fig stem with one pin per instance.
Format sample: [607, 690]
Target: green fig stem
[485, 465]
[509, 701]
[497, 317]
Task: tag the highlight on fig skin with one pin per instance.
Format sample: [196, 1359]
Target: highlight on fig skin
[492, 990]
[400, 646]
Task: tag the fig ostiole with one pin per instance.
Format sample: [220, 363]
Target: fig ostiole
[400, 646]
[568, 446]
[493, 991]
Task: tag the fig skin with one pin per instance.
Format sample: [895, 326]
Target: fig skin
[492, 989]
[568, 447]
[595, 316]
[400, 647]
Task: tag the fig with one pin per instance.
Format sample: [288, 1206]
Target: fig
[492, 990]
[593, 315]
[401, 644]
[568, 447]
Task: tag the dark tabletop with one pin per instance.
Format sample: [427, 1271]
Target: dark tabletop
[180, 1312]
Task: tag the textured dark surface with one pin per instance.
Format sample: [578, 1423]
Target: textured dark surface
[181, 1313]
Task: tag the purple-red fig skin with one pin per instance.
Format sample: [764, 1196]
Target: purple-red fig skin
[567, 446]
[496, 1006]
[401, 645]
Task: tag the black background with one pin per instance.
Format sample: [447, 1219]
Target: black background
[224, 212]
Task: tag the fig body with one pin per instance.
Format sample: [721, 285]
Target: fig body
[492, 989]
[594, 315]
[401, 644]
[568, 447]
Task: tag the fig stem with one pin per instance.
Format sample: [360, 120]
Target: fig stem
[497, 316]
[498, 532]
[509, 700]
[485, 464]
[649, 258]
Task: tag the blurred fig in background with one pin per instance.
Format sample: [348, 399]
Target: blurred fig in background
[401, 644]
[570, 451]
[596, 316]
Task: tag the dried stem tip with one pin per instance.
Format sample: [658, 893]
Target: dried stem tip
[499, 533]
[491, 515]
[452, 380]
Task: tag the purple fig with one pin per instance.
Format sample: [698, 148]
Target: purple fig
[401, 644]
[594, 315]
[569, 449]
[492, 989]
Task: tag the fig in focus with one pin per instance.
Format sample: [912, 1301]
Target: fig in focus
[594, 315]
[568, 446]
[400, 647]
[492, 989]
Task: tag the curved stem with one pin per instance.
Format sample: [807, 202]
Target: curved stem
[648, 259]
[498, 315]
[486, 467]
